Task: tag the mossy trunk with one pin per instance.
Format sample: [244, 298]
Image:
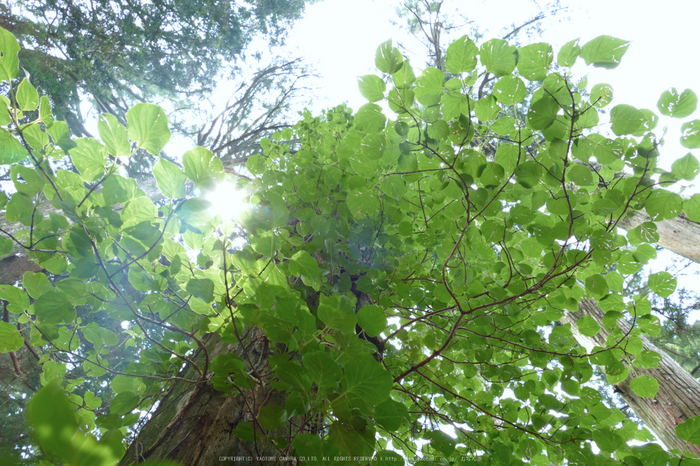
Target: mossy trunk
[193, 424]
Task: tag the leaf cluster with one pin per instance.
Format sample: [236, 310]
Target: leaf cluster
[359, 226]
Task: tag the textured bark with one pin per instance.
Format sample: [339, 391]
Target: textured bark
[678, 398]
[13, 268]
[680, 235]
[193, 423]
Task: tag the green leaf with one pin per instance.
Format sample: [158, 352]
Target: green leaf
[690, 137]
[498, 57]
[113, 135]
[373, 146]
[372, 319]
[597, 286]
[18, 299]
[686, 167]
[487, 109]
[53, 372]
[307, 269]
[391, 415]
[294, 375]
[401, 100]
[20, 209]
[644, 253]
[148, 126]
[124, 402]
[645, 386]
[604, 51]
[54, 307]
[510, 90]
[11, 150]
[626, 119]
[371, 87]
[662, 283]
[36, 284]
[27, 96]
[366, 382]
[91, 401]
[691, 207]
[52, 418]
[678, 106]
[442, 442]
[203, 167]
[362, 202]
[337, 313]
[89, 157]
[170, 179]
[404, 77]
[10, 338]
[202, 288]
[607, 440]
[6, 246]
[601, 95]
[118, 190]
[430, 86]
[98, 336]
[581, 175]
[272, 417]
[569, 53]
[370, 119]
[139, 210]
[663, 205]
[33, 180]
[542, 113]
[534, 61]
[45, 111]
[322, 369]
[35, 137]
[455, 104]
[307, 446]
[60, 134]
[588, 326]
[461, 56]
[9, 63]
[388, 59]
[690, 430]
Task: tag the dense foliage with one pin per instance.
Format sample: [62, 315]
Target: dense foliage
[122, 52]
[409, 287]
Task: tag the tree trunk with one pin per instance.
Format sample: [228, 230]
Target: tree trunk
[193, 423]
[678, 398]
[680, 235]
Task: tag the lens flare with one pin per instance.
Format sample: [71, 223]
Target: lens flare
[228, 201]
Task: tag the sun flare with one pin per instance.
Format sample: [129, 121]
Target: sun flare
[228, 201]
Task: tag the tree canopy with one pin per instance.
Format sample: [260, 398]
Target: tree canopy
[122, 52]
[392, 290]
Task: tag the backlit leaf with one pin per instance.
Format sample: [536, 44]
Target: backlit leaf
[113, 135]
[461, 56]
[677, 105]
[148, 126]
[645, 386]
[662, 283]
[371, 87]
[604, 51]
[170, 179]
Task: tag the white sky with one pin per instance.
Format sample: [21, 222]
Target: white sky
[341, 37]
